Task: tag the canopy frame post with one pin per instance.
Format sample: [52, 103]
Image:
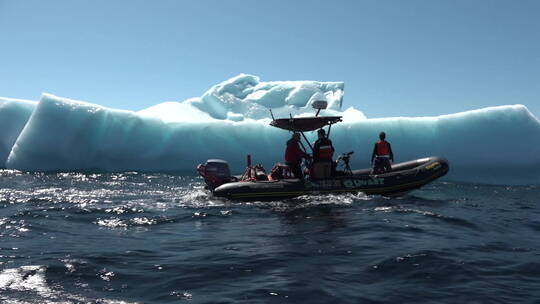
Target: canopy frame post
[311, 147]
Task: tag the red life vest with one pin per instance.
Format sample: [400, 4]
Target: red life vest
[383, 148]
[325, 152]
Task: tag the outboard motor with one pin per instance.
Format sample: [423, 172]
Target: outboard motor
[215, 172]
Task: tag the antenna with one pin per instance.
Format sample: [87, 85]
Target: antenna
[272, 114]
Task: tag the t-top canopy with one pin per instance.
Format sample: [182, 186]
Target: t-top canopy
[303, 124]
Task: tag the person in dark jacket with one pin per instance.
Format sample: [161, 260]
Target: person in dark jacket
[294, 155]
[322, 148]
[382, 155]
[323, 166]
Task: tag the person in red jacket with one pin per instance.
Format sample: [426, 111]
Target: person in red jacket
[382, 155]
[294, 155]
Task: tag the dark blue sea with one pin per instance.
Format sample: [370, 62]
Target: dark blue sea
[158, 238]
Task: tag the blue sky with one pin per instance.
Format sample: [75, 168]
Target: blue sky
[397, 58]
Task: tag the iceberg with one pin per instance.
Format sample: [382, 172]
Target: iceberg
[498, 145]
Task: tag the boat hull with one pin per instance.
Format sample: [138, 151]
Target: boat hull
[403, 178]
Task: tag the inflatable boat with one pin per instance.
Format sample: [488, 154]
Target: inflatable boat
[256, 184]
[403, 178]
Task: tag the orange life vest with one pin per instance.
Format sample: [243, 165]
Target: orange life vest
[383, 148]
[325, 152]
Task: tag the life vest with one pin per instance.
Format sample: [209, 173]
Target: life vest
[383, 148]
[325, 152]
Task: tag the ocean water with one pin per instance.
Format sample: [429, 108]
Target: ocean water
[158, 238]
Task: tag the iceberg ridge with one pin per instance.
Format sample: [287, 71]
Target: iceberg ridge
[14, 113]
[246, 97]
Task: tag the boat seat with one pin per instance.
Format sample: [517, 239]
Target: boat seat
[322, 170]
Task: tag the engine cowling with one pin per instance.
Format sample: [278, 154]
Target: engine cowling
[215, 172]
